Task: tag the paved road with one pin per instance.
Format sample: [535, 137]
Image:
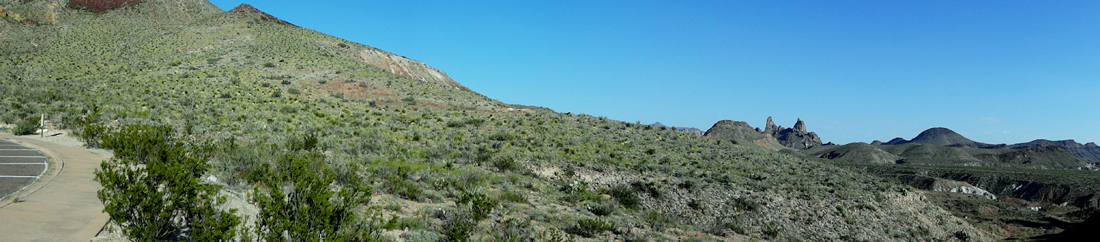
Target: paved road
[19, 166]
[63, 205]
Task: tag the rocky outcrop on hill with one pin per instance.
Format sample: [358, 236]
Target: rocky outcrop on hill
[945, 185]
[733, 130]
[1033, 187]
[255, 15]
[797, 137]
[741, 132]
[389, 62]
[100, 6]
[404, 66]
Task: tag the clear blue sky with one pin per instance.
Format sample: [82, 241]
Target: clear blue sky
[994, 71]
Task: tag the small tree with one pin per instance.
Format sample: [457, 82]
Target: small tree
[151, 188]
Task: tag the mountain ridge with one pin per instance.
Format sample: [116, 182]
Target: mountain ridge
[1089, 152]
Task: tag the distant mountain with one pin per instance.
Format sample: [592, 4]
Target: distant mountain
[773, 137]
[689, 130]
[943, 137]
[1088, 152]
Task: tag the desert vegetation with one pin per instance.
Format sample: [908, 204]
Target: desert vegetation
[328, 147]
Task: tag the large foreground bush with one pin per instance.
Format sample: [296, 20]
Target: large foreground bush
[151, 188]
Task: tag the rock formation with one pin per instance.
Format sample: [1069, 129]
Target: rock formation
[796, 138]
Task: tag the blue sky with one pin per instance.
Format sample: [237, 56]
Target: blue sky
[855, 71]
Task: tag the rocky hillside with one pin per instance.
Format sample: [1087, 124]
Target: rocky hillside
[773, 137]
[252, 92]
[1089, 152]
[740, 132]
[855, 152]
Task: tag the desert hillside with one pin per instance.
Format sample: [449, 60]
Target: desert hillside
[253, 99]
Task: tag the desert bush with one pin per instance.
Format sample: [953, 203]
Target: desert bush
[473, 207]
[513, 196]
[626, 196]
[27, 126]
[297, 204]
[747, 204]
[658, 220]
[589, 228]
[514, 230]
[601, 209]
[153, 191]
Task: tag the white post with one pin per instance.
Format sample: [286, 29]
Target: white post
[41, 126]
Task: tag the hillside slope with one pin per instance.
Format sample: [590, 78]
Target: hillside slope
[248, 84]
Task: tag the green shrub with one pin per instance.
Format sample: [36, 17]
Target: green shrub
[505, 163]
[625, 195]
[512, 196]
[515, 230]
[153, 191]
[27, 126]
[601, 209]
[474, 207]
[747, 204]
[589, 228]
[297, 204]
[658, 220]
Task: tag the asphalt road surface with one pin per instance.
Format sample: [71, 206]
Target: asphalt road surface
[19, 166]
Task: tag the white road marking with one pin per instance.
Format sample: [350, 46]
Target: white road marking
[18, 177]
[22, 163]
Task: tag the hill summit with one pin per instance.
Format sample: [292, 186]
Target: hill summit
[943, 137]
[247, 11]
